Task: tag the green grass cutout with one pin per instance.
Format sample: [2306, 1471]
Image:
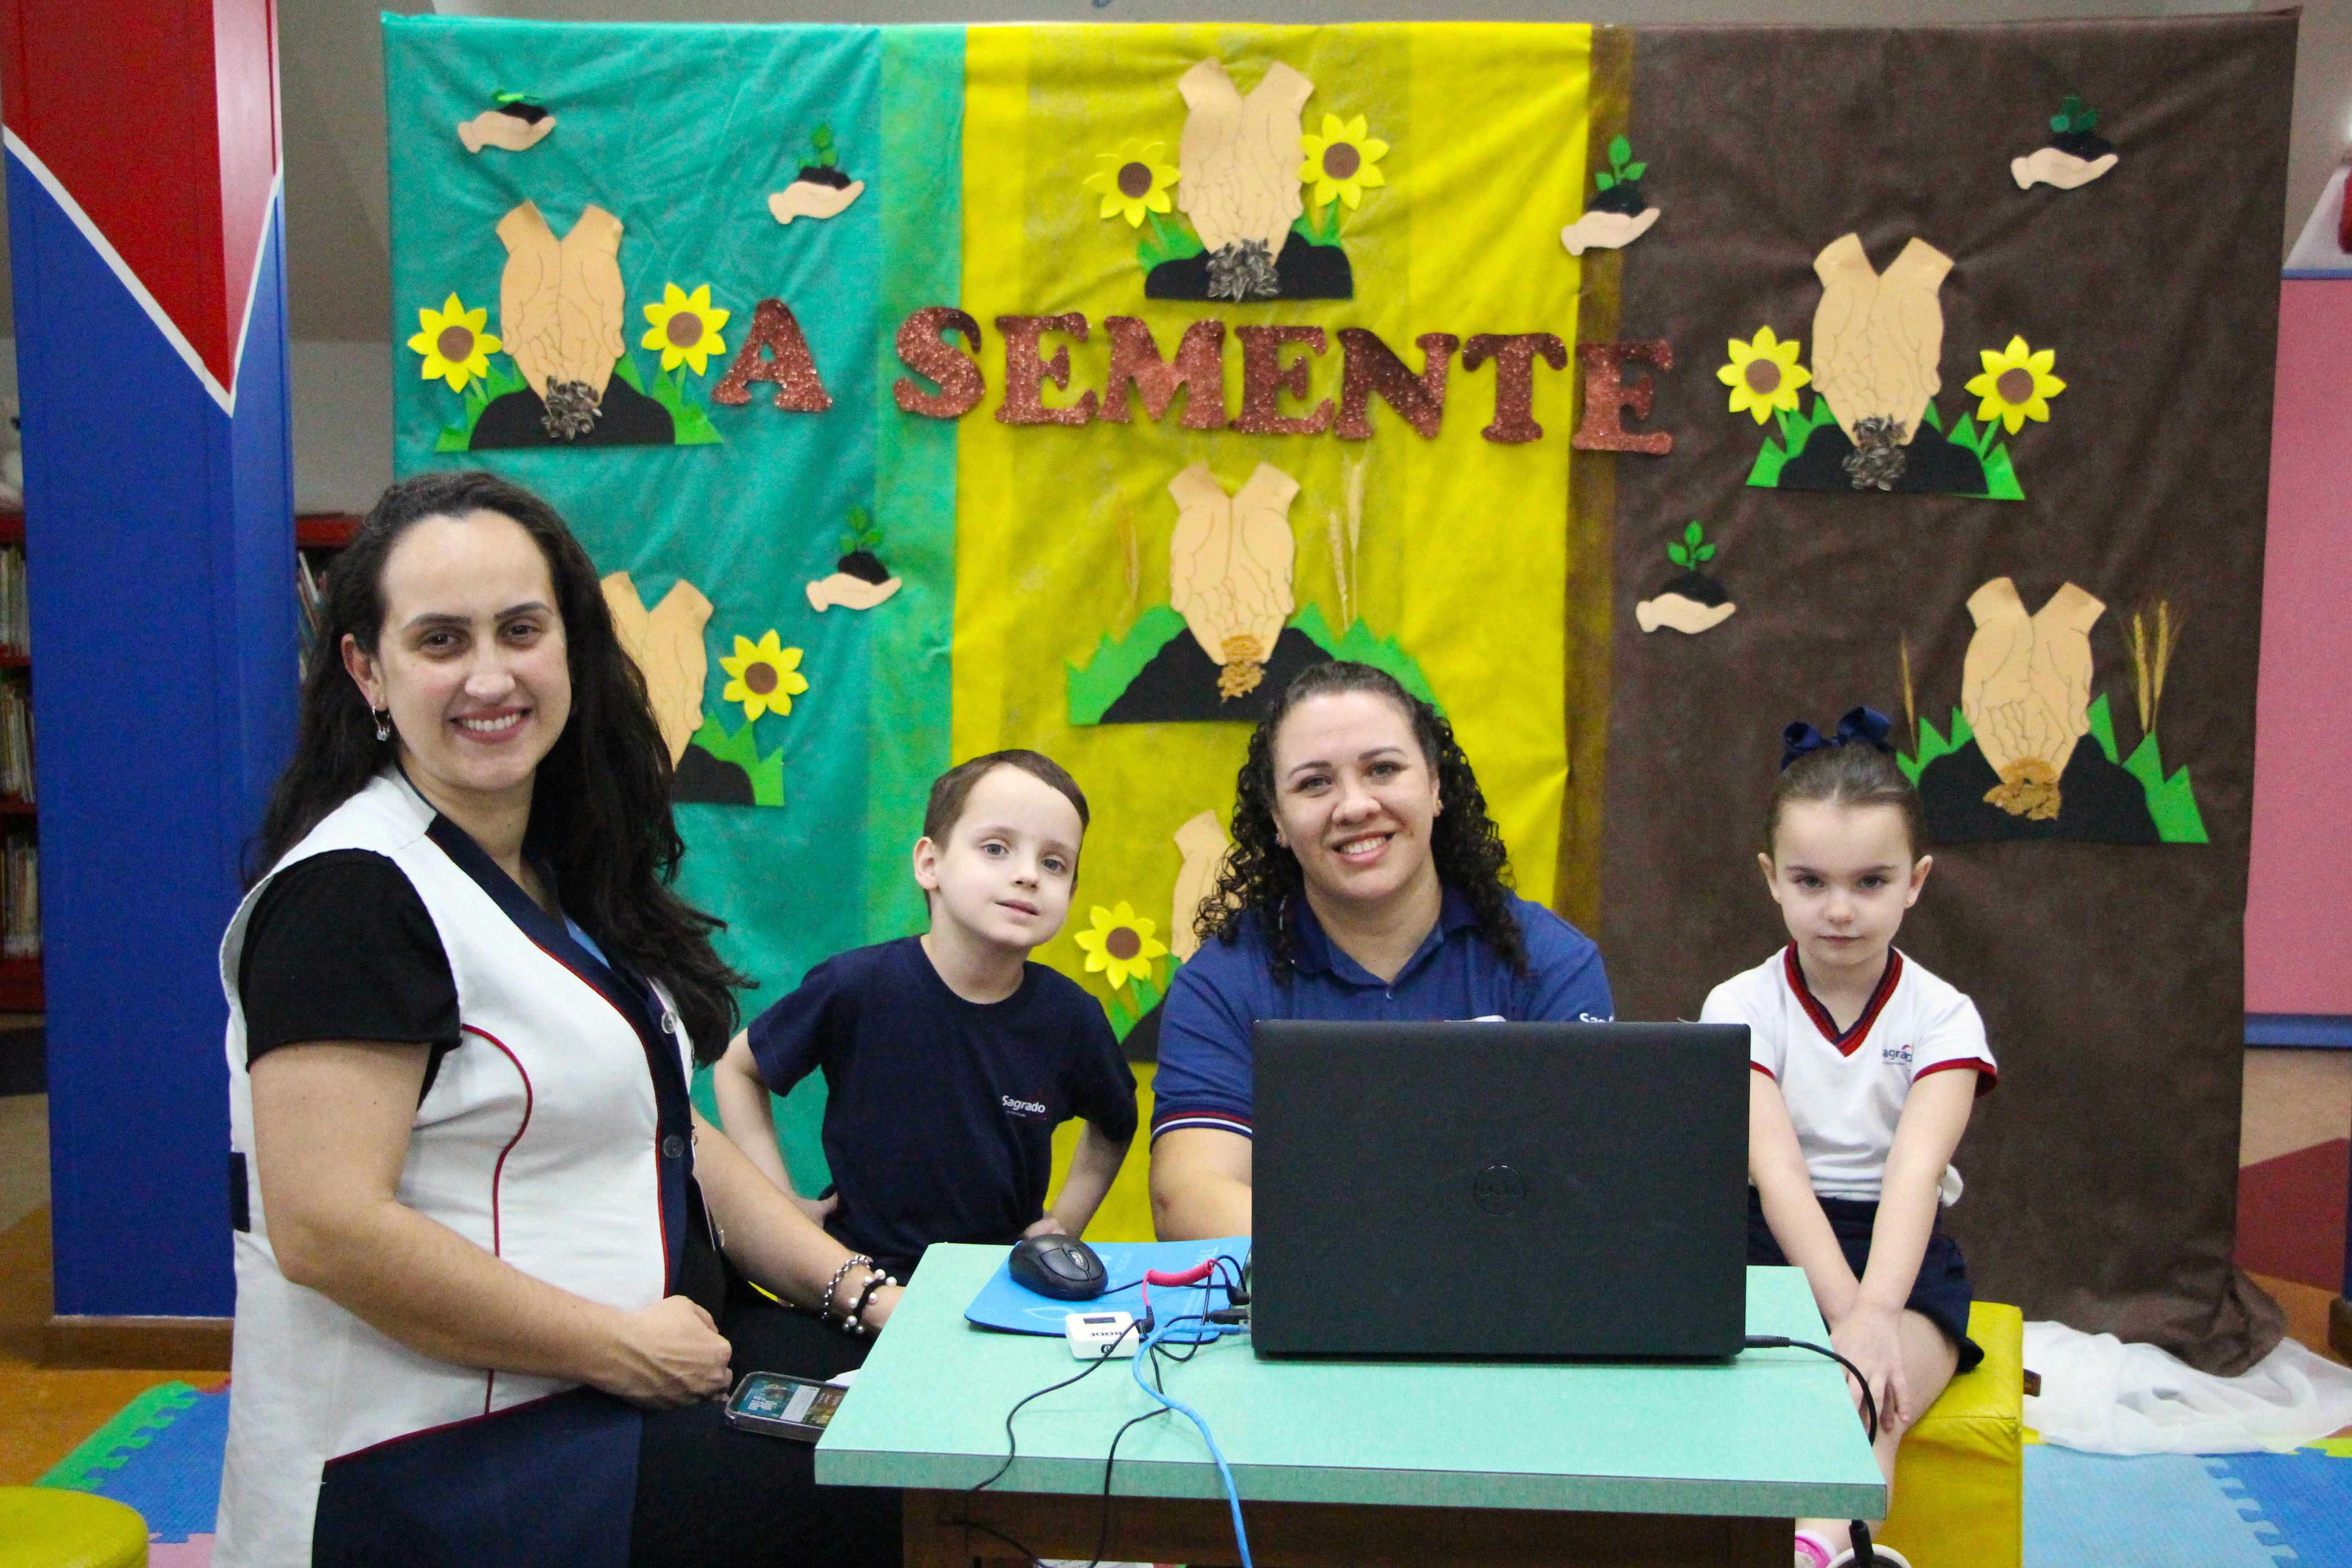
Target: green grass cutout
[1095, 685]
[1796, 429]
[1169, 242]
[1360, 647]
[2001, 475]
[2102, 721]
[1325, 232]
[1147, 996]
[742, 749]
[1933, 745]
[689, 424]
[480, 394]
[2171, 801]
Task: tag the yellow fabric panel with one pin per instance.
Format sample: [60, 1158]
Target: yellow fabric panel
[1126, 1211]
[1458, 548]
[1959, 1475]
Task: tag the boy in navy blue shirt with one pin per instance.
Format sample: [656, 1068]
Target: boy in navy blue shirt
[950, 1059]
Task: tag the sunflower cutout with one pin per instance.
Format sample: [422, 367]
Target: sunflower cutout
[1132, 182]
[1121, 943]
[764, 677]
[1763, 376]
[684, 328]
[1343, 162]
[454, 347]
[2016, 385]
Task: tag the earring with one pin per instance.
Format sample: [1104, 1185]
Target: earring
[383, 723]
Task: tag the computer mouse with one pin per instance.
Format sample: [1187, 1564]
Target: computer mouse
[1059, 1266]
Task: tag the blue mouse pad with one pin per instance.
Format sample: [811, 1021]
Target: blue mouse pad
[1016, 1309]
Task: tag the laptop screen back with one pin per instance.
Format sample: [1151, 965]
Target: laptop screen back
[1493, 1189]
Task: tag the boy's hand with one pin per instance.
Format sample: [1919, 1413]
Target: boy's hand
[1048, 1225]
[818, 1209]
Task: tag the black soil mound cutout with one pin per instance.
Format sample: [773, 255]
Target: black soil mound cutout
[1304, 273]
[1932, 465]
[629, 419]
[2099, 802]
[1624, 197]
[1179, 685]
[1142, 1042]
[704, 780]
[863, 565]
[1698, 588]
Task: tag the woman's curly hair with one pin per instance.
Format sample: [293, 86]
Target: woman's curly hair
[1261, 877]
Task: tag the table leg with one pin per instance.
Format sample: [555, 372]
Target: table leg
[948, 1529]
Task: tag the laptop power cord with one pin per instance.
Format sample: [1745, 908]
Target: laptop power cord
[1864, 1554]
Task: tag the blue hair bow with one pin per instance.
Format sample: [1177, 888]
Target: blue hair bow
[1867, 725]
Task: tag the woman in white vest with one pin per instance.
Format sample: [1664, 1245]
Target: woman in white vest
[482, 1306]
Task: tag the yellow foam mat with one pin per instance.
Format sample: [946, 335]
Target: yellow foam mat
[1959, 1476]
[45, 1527]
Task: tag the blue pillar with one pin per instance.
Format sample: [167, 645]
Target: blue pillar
[144, 213]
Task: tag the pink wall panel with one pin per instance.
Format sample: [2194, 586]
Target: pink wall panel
[2299, 900]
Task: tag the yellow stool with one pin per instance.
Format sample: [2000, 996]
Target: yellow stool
[1959, 1476]
[44, 1526]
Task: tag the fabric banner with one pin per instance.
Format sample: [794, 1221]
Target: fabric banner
[928, 391]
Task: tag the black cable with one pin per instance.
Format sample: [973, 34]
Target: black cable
[1865, 1555]
[1013, 1449]
[1102, 1534]
[1102, 1531]
[1783, 1342]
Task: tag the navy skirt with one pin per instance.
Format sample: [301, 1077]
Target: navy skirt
[1940, 1294]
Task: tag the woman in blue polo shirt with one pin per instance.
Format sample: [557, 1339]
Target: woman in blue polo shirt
[1366, 882]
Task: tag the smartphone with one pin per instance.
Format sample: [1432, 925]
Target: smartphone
[782, 1406]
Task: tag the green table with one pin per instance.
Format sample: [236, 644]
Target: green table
[1352, 1465]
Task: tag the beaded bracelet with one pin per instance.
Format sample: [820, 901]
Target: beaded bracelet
[852, 1321]
[825, 1306]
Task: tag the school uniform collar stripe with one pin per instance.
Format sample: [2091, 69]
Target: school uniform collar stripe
[1851, 1040]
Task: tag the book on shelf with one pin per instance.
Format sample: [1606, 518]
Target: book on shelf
[15, 620]
[15, 742]
[20, 898]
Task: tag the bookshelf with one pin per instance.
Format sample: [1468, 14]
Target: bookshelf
[20, 978]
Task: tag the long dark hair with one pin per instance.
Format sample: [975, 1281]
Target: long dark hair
[600, 805]
[1261, 877]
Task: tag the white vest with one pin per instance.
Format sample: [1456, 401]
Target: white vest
[541, 1140]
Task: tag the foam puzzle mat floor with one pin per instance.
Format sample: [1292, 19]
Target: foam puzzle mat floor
[161, 1455]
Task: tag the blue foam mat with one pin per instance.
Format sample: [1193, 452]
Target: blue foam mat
[2179, 1510]
[1014, 1308]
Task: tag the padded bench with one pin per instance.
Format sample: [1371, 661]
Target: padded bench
[1959, 1476]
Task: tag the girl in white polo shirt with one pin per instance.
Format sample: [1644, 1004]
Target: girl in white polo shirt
[1865, 1069]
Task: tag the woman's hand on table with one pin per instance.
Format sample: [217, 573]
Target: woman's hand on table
[665, 1354]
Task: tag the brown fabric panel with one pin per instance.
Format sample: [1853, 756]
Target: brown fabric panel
[1592, 530]
[2102, 1176]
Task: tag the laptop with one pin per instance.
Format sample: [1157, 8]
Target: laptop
[1543, 1191]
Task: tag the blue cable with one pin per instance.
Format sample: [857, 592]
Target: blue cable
[1225, 1471]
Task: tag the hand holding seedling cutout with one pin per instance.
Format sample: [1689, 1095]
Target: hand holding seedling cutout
[1229, 569]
